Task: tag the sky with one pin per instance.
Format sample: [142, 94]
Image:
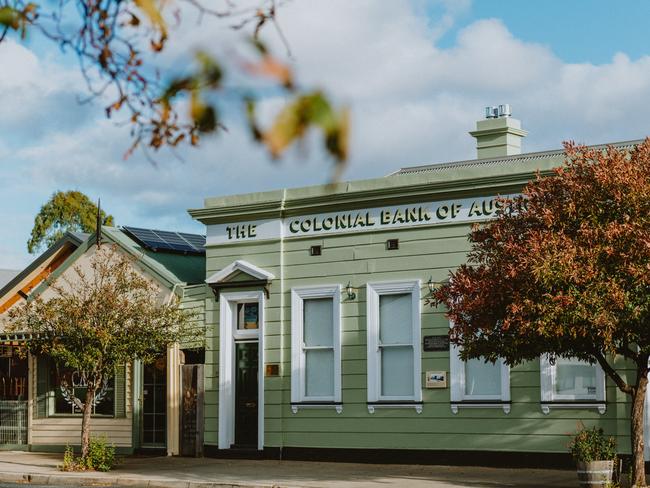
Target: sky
[416, 75]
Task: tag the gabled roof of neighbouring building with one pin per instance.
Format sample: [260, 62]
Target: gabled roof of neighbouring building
[170, 268]
[27, 280]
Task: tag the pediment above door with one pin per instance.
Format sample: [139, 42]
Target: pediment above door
[240, 274]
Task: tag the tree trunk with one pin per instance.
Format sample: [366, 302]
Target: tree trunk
[638, 399]
[85, 421]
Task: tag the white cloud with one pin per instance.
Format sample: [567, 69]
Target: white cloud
[36, 97]
[412, 102]
[20, 66]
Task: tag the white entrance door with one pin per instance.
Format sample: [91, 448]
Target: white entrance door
[241, 326]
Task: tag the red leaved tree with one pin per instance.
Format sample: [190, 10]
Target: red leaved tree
[565, 270]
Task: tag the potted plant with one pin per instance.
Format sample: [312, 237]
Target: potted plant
[594, 455]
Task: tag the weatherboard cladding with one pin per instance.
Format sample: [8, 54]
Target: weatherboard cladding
[359, 258]
[194, 300]
[362, 258]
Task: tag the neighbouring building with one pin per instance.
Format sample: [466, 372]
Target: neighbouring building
[320, 341]
[142, 407]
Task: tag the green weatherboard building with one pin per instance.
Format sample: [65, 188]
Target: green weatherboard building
[320, 343]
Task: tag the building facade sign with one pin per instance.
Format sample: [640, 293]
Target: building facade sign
[378, 218]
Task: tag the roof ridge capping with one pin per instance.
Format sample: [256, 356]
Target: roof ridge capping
[505, 159]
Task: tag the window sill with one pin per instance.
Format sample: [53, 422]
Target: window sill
[455, 406]
[373, 405]
[295, 406]
[584, 405]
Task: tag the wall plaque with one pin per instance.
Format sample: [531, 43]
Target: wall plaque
[272, 370]
[436, 379]
[436, 343]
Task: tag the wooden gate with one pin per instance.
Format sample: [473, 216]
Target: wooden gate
[192, 390]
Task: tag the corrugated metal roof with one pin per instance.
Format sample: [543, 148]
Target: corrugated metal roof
[504, 161]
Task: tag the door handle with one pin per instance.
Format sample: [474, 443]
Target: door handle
[251, 404]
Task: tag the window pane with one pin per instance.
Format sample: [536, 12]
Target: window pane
[482, 378]
[397, 371]
[13, 374]
[105, 405]
[395, 321]
[319, 323]
[247, 316]
[319, 375]
[575, 378]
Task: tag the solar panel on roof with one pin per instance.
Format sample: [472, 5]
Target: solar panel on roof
[175, 241]
[161, 240]
[196, 240]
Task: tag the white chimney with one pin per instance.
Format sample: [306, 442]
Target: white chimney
[498, 134]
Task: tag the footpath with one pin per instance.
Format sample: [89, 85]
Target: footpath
[176, 472]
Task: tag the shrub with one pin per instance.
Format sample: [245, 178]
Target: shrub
[101, 455]
[592, 445]
[69, 461]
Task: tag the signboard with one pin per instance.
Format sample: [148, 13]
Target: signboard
[436, 343]
[436, 379]
[272, 369]
[398, 216]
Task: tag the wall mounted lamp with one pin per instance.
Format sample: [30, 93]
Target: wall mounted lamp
[350, 291]
[431, 284]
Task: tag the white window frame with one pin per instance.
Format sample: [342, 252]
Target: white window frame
[375, 399]
[460, 399]
[299, 398]
[550, 399]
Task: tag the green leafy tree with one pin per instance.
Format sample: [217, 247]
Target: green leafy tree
[69, 211]
[99, 319]
[565, 270]
[118, 42]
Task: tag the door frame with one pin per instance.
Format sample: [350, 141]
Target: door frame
[141, 444]
[199, 409]
[646, 423]
[228, 333]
